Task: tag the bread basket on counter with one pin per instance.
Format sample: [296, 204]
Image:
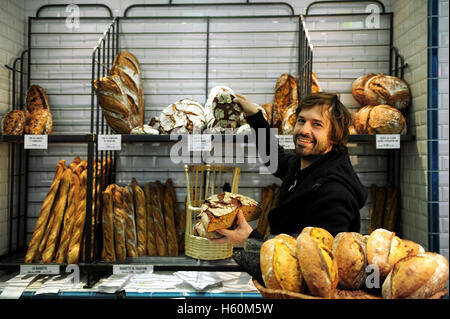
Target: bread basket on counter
[203, 181]
[339, 294]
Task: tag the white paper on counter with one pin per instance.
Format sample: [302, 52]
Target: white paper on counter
[114, 283]
[201, 280]
[54, 284]
[154, 282]
[15, 286]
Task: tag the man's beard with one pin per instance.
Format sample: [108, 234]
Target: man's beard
[310, 154]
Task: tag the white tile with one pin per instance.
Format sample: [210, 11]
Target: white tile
[443, 8]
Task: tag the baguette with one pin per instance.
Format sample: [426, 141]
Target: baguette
[141, 218]
[373, 198]
[120, 217]
[69, 218]
[151, 229]
[44, 214]
[130, 224]
[390, 214]
[108, 253]
[58, 212]
[169, 218]
[73, 254]
[179, 216]
[266, 198]
[158, 217]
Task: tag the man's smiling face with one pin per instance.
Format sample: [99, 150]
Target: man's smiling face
[312, 132]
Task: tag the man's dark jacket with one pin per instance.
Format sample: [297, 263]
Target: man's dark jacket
[326, 194]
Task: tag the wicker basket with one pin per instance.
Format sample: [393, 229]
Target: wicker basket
[339, 294]
[203, 181]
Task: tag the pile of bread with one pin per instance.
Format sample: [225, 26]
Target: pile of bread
[59, 231]
[141, 221]
[34, 119]
[219, 211]
[317, 264]
[383, 100]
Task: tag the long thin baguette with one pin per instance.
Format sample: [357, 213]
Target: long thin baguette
[108, 253]
[150, 235]
[59, 210]
[141, 218]
[44, 214]
[266, 199]
[373, 196]
[130, 224]
[119, 224]
[69, 219]
[169, 218]
[73, 254]
[179, 215]
[158, 218]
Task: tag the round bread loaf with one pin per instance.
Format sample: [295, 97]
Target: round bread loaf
[221, 112]
[384, 250]
[320, 235]
[412, 248]
[37, 99]
[39, 122]
[360, 119]
[219, 211]
[384, 119]
[13, 123]
[279, 264]
[417, 277]
[199, 230]
[386, 89]
[358, 88]
[317, 265]
[183, 116]
[349, 250]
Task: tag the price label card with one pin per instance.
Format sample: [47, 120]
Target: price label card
[199, 143]
[132, 269]
[387, 141]
[286, 141]
[35, 142]
[110, 142]
[39, 269]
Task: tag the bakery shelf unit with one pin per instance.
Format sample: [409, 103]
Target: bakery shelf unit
[353, 38]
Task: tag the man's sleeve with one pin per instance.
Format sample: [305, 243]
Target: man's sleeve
[257, 121]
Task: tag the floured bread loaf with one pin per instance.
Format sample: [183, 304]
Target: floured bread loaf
[221, 112]
[121, 94]
[386, 89]
[13, 123]
[219, 211]
[144, 129]
[279, 264]
[412, 248]
[358, 88]
[379, 119]
[185, 115]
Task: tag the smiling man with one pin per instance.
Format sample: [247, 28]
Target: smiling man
[319, 186]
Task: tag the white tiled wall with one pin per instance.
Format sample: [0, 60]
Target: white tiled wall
[12, 43]
[443, 126]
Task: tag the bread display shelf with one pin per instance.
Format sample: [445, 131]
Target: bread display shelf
[75, 138]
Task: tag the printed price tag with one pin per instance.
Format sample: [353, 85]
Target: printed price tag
[39, 269]
[387, 141]
[36, 142]
[132, 269]
[199, 143]
[286, 141]
[110, 142]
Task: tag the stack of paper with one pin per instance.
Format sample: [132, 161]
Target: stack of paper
[227, 281]
[15, 286]
[54, 284]
[154, 283]
[113, 283]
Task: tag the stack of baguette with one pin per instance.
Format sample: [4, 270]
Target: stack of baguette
[384, 207]
[141, 221]
[317, 264]
[59, 232]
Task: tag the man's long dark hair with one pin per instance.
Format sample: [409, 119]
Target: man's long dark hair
[339, 116]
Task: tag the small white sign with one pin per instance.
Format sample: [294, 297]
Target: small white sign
[286, 141]
[35, 142]
[132, 269]
[199, 143]
[39, 269]
[387, 141]
[110, 142]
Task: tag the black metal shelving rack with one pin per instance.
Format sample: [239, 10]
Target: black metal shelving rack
[102, 57]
